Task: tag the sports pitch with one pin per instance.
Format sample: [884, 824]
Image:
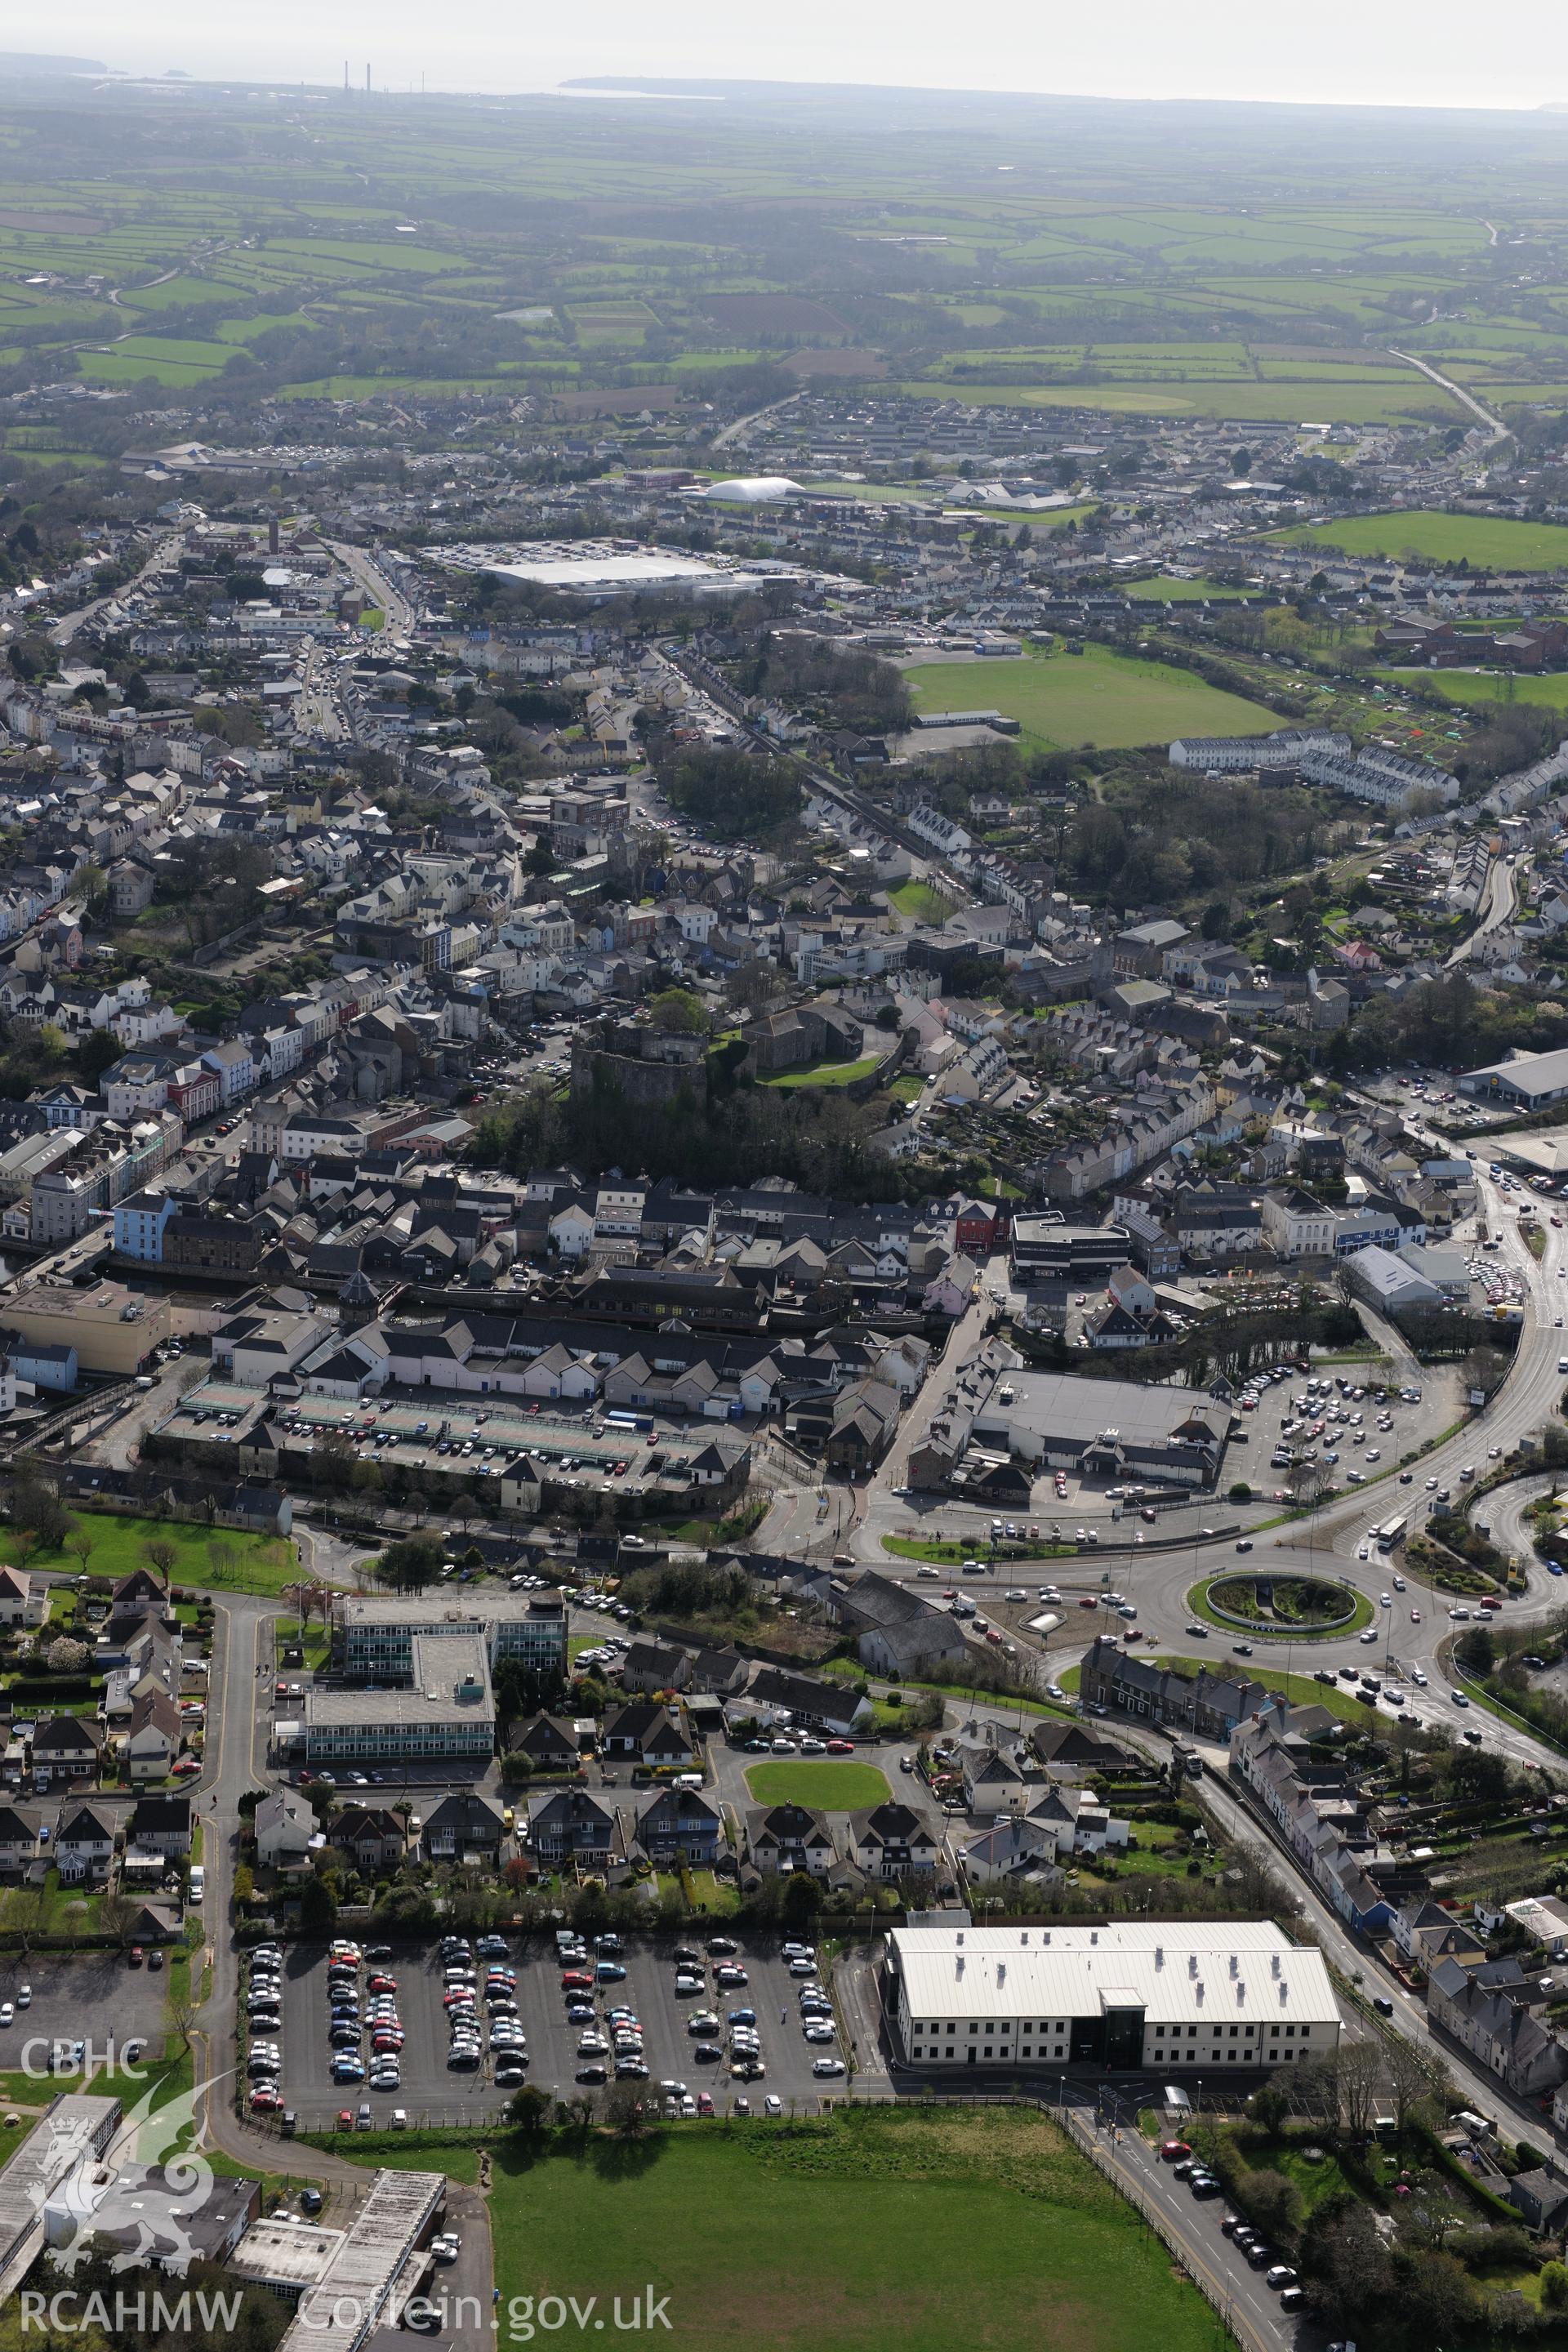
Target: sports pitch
[1097, 698]
[1493, 542]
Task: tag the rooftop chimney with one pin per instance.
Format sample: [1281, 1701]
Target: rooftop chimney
[1159, 1956]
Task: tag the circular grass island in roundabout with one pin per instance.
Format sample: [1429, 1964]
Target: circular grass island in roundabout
[1286, 1607]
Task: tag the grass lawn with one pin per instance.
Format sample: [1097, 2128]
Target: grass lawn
[873, 2231]
[317, 1644]
[826, 1783]
[263, 1564]
[953, 1554]
[1549, 692]
[1361, 1614]
[1097, 698]
[1493, 541]
[825, 1073]
[1164, 590]
[919, 902]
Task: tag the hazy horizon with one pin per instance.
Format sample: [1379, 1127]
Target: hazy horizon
[1223, 52]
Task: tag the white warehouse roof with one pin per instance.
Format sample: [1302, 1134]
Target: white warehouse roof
[1174, 1971]
[753, 489]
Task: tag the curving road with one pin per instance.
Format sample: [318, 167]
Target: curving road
[1497, 906]
[1158, 1578]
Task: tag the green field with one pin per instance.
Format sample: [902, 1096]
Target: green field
[876, 2232]
[1165, 591]
[1495, 543]
[1548, 691]
[919, 902]
[1062, 700]
[823, 1782]
[1267, 283]
[825, 1073]
[263, 1564]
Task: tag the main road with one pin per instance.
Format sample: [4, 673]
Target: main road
[1157, 1577]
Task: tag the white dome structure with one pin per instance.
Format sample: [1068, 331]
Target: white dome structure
[754, 491]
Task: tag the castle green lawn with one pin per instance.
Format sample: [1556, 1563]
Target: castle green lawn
[1494, 541]
[825, 1073]
[1097, 696]
[264, 1564]
[820, 1782]
[871, 2232]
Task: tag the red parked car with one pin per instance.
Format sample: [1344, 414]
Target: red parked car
[574, 1979]
[841, 1748]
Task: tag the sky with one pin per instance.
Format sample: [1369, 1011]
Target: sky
[1339, 52]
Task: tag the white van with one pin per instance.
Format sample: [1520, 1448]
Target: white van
[198, 1882]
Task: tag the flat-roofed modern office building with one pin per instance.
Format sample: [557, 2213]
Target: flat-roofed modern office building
[1205, 1996]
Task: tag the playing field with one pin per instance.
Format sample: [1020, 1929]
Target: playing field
[1164, 590]
[1548, 693]
[1096, 697]
[1491, 540]
[873, 2231]
[830, 1786]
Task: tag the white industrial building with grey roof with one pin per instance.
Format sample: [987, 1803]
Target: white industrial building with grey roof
[1168, 1995]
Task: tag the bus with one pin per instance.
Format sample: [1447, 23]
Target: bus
[1389, 1534]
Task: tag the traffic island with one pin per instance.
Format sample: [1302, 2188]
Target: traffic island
[1289, 1608]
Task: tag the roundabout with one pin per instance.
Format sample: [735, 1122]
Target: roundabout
[1284, 1607]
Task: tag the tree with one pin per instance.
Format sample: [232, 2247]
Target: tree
[678, 1009]
[1272, 2201]
[65, 1656]
[733, 795]
[1343, 2263]
[223, 1556]
[35, 1504]
[97, 1050]
[528, 2111]
[318, 1909]
[161, 1554]
[81, 1540]
[626, 2112]
[1269, 2106]
[1413, 2080]
[409, 1565]
[117, 1914]
[753, 986]
[1358, 2075]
